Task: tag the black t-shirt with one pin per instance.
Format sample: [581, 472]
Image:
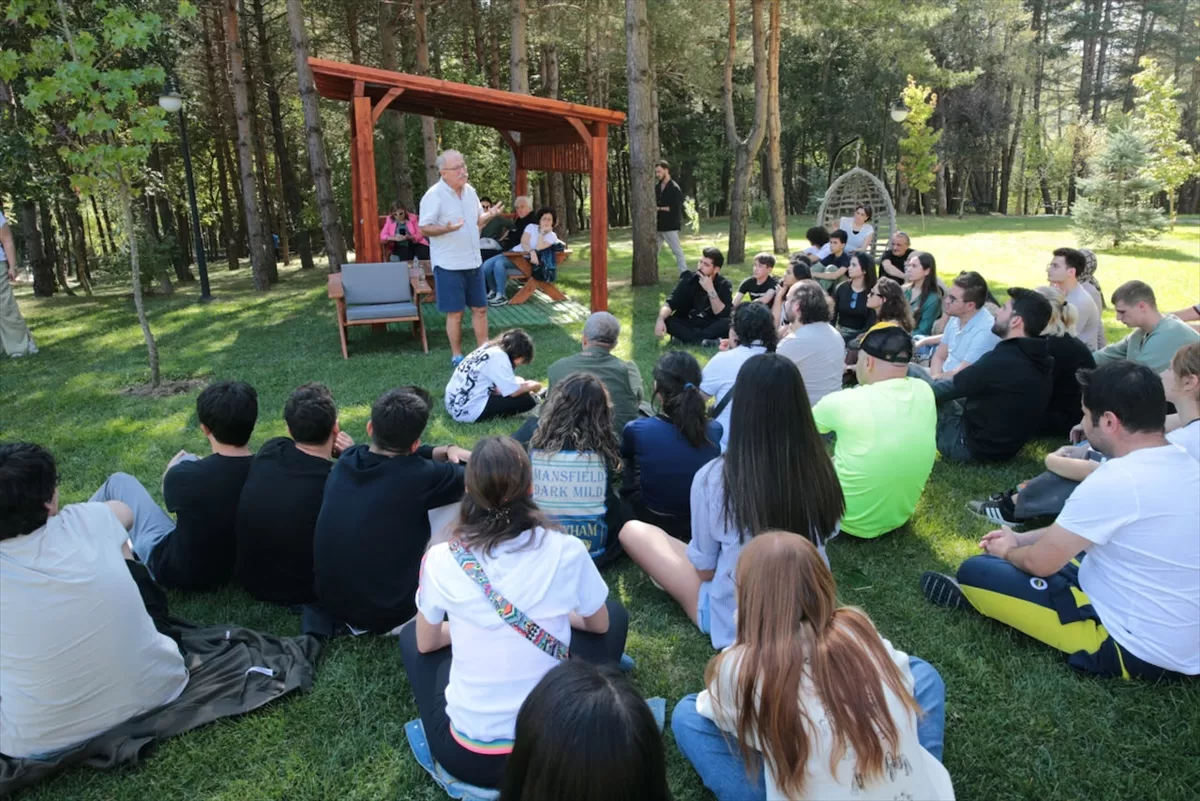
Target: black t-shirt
[850, 307]
[689, 300]
[756, 290]
[275, 522]
[896, 261]
[670, 196]
[372, 533]
[837, 262]
[204, 495]
[512, 237]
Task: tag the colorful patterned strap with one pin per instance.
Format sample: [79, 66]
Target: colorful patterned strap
[542, 639]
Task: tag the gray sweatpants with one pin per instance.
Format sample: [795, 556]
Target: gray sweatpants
[151, 524]
[672, 240]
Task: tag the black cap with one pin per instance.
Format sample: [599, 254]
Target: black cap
[889, 342]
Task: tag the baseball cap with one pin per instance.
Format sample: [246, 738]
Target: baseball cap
[889, 342]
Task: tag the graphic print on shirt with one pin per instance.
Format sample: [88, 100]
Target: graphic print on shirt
[462, 384]
[570, 486]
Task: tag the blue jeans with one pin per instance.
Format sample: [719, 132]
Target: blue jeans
[495, 272]
[719, 762]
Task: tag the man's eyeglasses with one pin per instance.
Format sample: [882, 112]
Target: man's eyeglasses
[952, 299]
[454, 169]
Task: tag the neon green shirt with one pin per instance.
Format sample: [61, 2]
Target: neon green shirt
[884, 451]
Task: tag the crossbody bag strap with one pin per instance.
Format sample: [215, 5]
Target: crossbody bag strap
[514, 617]
[719, 407]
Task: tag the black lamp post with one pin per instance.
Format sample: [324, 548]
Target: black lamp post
[172, 102]
[899, 113]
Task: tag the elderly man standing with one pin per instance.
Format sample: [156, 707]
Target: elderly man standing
[451, 217]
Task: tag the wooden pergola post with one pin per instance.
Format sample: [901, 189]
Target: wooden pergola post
[599, 167]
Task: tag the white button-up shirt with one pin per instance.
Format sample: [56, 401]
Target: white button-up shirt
[441, 205]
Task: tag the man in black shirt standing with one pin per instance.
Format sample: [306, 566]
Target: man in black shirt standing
[196, 550]
[668, 197]
[282, 498]
[699, 307]
[374, 521]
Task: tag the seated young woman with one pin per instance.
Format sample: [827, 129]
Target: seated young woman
[923, 294]
[1070, 355]
[586, 734]
[820, 704]
[576, 460]
[859, 231]
[776, 473]
[799, 269]
[537, 239]
[850, 313]
[505, 568]
[663, 453]
[888, 305]
[484, 385]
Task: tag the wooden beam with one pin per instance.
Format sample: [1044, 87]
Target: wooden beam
[585, 136]
[513, 145]
[368, 206]
[600, 217]
[383, 104]
[359, 88]
[522, 187]
[355, 224]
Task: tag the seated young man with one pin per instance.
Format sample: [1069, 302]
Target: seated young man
[989, 410]
[834, 264]
[699, 307]
[281, 499]
[885, 435]
[196, 550]
[761, 286]
[1128, 607]
[1155, 337]
[968, 335]
[374, 521]
[79, 654]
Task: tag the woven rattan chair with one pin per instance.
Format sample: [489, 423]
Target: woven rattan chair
[855, 187]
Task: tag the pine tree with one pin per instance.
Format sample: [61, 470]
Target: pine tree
[1114, 207]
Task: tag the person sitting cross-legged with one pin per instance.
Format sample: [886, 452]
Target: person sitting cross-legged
[761, 286]
[79, 654]
[1066, 273]
[1129, 605]
[776, 474]
[885, 434]
[968, 334]
[374, 520]
[810, 701]
[989, 410]
[520, 597]
[197, 550]
[699, 307]
[484, 385]
[811, 342]
[1155, 337]
[663, 453]
[281, 500]
[753, 332]
[835, 264]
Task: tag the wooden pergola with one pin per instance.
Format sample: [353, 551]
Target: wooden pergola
[544, 134]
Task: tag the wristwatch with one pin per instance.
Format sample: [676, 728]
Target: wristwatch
[712, 294]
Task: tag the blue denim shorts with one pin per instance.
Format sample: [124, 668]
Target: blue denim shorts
[703, 614]
[457, 289]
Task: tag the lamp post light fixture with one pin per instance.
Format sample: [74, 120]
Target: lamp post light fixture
[899, 111]
[172, 102]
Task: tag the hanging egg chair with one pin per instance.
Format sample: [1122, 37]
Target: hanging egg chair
[852, 189]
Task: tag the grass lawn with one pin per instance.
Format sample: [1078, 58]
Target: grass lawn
[1020, 724]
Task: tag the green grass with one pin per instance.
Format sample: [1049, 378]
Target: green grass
[1020, 724]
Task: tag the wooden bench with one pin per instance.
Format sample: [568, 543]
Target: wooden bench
[375, 295]
[531, 284]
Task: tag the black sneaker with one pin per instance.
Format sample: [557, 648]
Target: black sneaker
[995, 510]
[942, 590]
[498, 300]
[710, 343]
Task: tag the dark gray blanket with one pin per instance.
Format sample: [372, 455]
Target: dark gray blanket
[221, 684]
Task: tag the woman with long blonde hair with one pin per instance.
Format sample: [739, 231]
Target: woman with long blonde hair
[1070, 355]
[820, 704]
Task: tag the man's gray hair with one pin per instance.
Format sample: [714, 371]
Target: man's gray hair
[523, 199]
[441, 159]
[602, 329]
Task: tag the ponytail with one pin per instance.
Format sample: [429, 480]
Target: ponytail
[677, 379]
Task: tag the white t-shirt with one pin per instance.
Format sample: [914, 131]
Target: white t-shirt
[719, 376]
[1188, 438]
[1142, 575]
[79, 654]
[493, 667]
[533, 231]
[820, 353]
[473, 379]
[856, 241]
[969, 343]
[911, 772]
[1088, 325]
[1101, 334]
[441, 205]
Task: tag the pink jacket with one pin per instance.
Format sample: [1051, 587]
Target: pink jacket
[389, 230]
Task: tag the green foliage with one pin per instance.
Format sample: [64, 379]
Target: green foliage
[918, 161]
[1157, 111]
[156, 260]
[691, 214]
[1114, 207]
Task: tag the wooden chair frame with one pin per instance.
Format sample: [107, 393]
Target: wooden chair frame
[531, 284]
[338, 294]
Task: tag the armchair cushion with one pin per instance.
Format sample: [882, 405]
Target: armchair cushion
[380, 311]
[375, 284]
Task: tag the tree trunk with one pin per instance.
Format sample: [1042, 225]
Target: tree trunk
[170, 232]
[135, 268]
[641, 142]
[249, 181]
[268, 217]
[105, 239]
[1098, 82]
[352, 32]
[745, 150]
[1038, 24]
[220, 143]
[74, 222]
[43, 269]
[518, 67]
[335, 246]
[395, 131]
[428, 133]
[774, 175]
[477, 40]
[50, 249]
[228, 126]
[1145, 30]
[493, 49]
[1091, 22]
[558, 194]
[1010, 154]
